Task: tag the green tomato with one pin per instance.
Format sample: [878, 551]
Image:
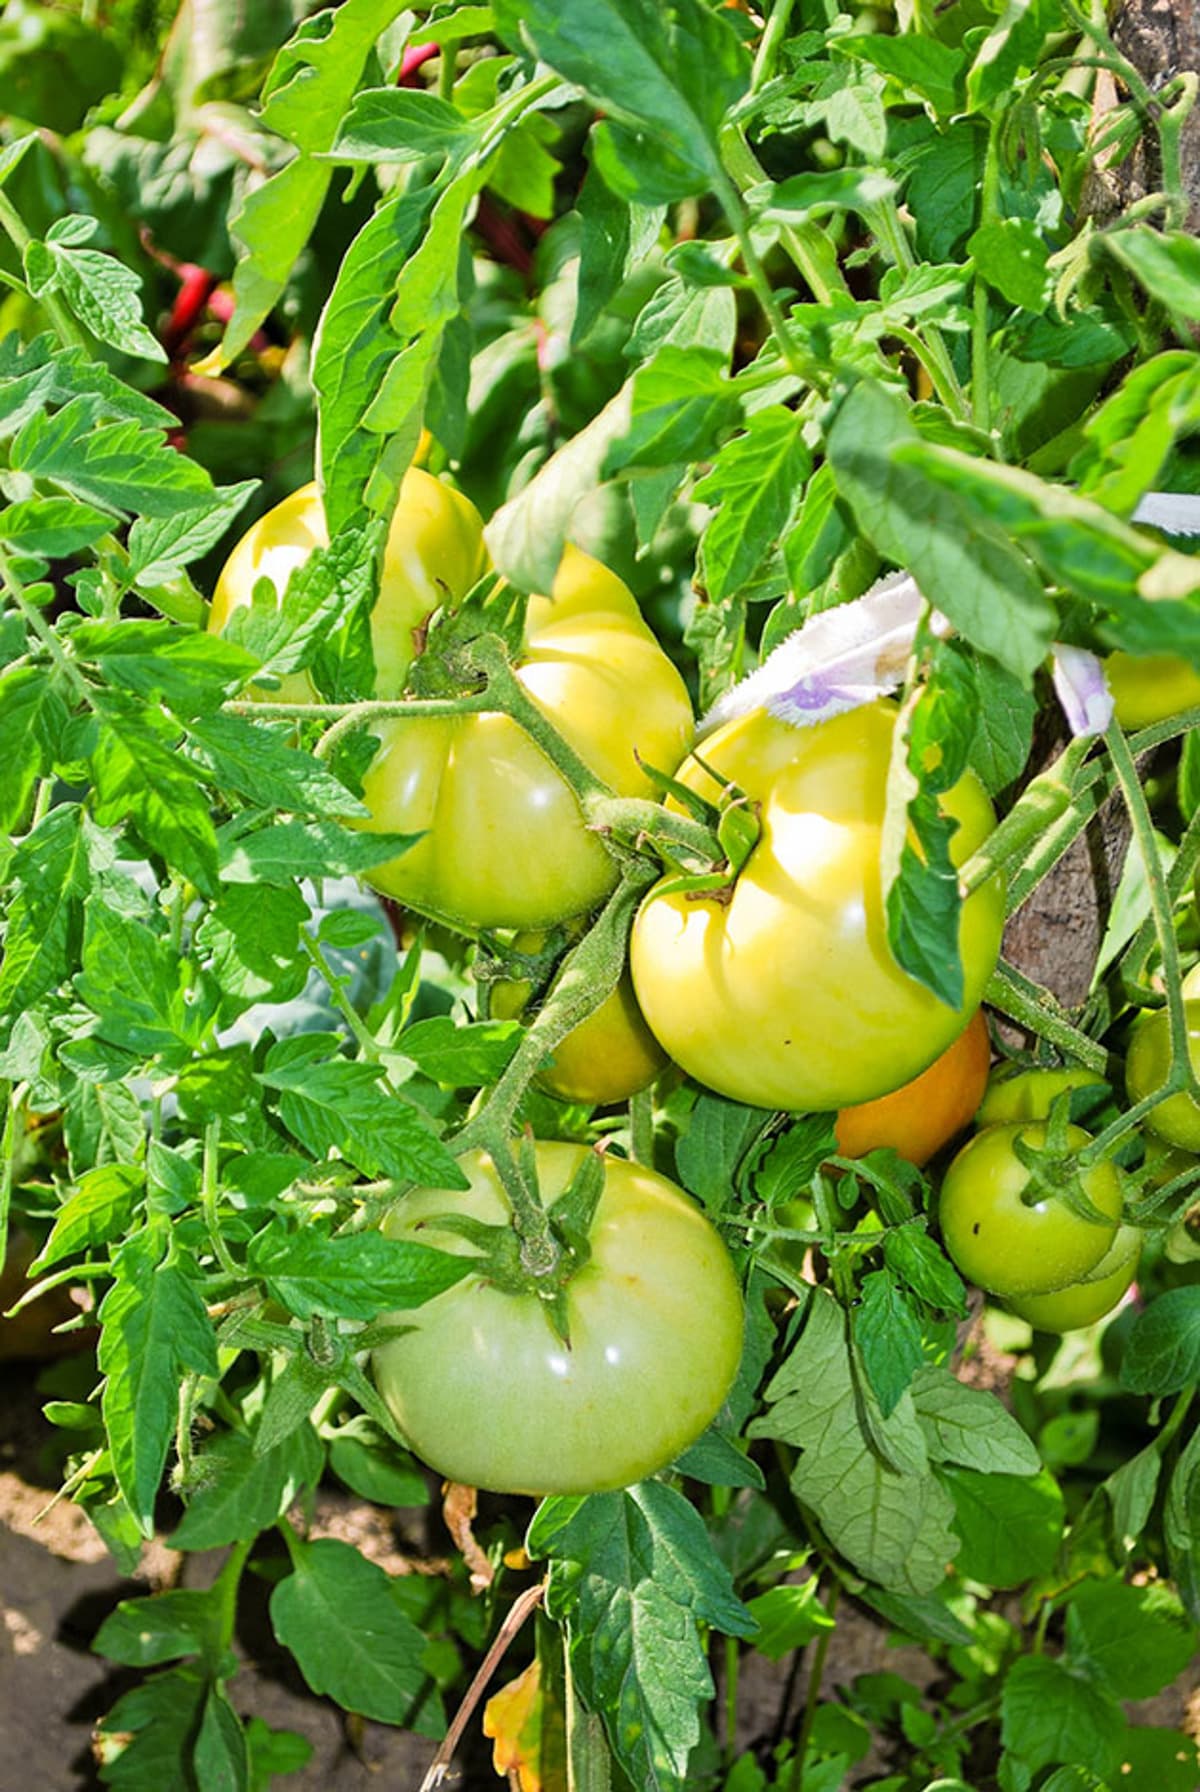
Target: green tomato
[1007, 1247]
[605, 1059]
[1083, 1303]
[1149, 687]
[781, 991]
[1177, 1119]
[487, 1392]
[1030, 1094]
[434, 554]
[503, 842]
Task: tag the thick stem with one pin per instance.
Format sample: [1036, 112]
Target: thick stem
[1034, 1009]
[989, 212]
[885, 221]
[211, 1190]
[14, 1102]
[820, 1651]
[641, 1128]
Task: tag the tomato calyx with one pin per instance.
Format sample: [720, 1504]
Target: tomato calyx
[505, 1259]
[448, 662]
[732, 821]
[1054, 1170]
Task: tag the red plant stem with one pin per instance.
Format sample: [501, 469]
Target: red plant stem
[412, 60]
[196, 286]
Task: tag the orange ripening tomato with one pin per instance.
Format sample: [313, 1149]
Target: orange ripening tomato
[920, 1117]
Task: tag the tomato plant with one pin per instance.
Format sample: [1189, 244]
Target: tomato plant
[783, 991]
[1014, 1237]
[827, 371]
[488, 1392]
[920, 1117]
[434, 554]
[473, 786]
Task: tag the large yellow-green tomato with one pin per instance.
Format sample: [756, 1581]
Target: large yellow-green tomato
[1149, 687]
[488, 1394]
[607, 1058]
[1177, 1119]
[1011, 1248]
[782, 992]
[503, 840]
[434, 554]
[1083, 1303]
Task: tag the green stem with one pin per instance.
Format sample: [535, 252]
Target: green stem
[65, 327]
[1176, 1416]
[1043, 801]
[210, 1195]
[732, 1662]
[884, 219]
[1035, 1009]
[75, 1272]
[1181, 1076]
[768, 48]
[820, 1651]
[641, 1128]
[1179, 879]
[810, 249]
[226, 1587]
[14, 1102]
[989, 212]
[447, 70]
[804, 367]
[364, 1038]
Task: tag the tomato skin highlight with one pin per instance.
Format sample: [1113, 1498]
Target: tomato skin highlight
[920, 1117]
[488, 1394]
[503, 842]
[434, 554]
[1176, 1121]
[1015, 1250]
[783, 993]
[1082, 1303]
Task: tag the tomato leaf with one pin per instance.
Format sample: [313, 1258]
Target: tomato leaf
[1011, 1526]
[153, 1328]
[893, 1524]
[1103, 1616]
[51, 874]
[1162, 1353]
[1051, 1713]
[237, 1490]
[966, 567]
[286, 850]
[142, 1633]
[32, 718]
[342, 1619]
[355, 1276]
[632, 1576]
[146, 1739]
[756, 482]
[970, 1428]
[888, 1337]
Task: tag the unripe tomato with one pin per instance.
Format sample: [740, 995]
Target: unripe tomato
[1177, 1120]
[434, 554]
[1007, 1247]
[1149, 687]
[1015, 1094]
[487, 1392]
[781, 991]
[607, 1058]
[1083, 1303]
[920, 1117]
[503, 842]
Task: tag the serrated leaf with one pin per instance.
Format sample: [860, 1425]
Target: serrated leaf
[355, 1276]
[893, 1524]
[106, 296]
[287, 850]
[53, 527]
[397, 125]
[1162, 1352]
[219, 1754]
[238, 1491]
[919, 63]
[757, 481]
[143, 1633]
[788, 1617]
[460, 1054]
[665, 75]
[123, 466]
[341, 1618]
[912, 1255]
[255, 760]
[966, 1426]
[145, 999]
[1011, 256]
[328, 1102]
[185, 669]
[710, 1152]
[682, 402]
[146, 1739]
[1010, 1526]
[1105, 1617]
[1013, 44]
[978, 580]
[252, 934]
[45, 918]
[100, 1209]
[632, 1575]
[140, 778]
[159, 547]
[153, 1327]
[1050, 1714]
[1167, 263]
[32, 718]
[888, 1337]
